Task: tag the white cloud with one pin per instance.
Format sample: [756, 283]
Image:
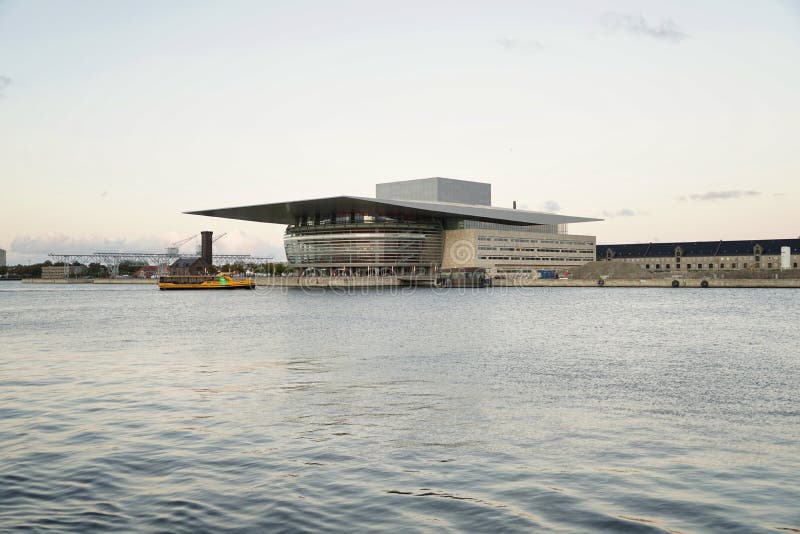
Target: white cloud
[721, 195]
[515, 43]
[623, 212]
[665, 30]
[35, 248]
[551, 205]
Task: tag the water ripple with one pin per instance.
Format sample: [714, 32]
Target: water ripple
[571, 411]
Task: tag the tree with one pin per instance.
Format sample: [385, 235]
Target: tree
[28, 271]
[127, 268]
[96, 270]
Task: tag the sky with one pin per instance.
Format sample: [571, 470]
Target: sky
[672, 121]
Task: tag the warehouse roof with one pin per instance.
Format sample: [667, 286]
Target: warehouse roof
[769, 247]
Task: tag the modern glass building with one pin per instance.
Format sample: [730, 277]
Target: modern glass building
[418, 227]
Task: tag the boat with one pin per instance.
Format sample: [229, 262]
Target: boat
[213, 281]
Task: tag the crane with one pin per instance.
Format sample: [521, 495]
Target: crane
[173, 248]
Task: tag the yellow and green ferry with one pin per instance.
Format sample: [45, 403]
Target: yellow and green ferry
[215, 281]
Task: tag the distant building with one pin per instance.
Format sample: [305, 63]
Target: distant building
[188, 266]
[416, 227]
[199, 265]
[63, 271]
[764, 254]
[2, 258]
[148, 271]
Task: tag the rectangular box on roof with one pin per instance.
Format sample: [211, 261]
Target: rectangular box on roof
[437, 190]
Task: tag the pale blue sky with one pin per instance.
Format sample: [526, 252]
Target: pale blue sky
[672, 120]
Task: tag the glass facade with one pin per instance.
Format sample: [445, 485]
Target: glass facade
[370, 244]
[467, 224]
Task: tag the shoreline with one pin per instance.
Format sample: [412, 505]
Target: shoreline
[337, 282]
[390, 281]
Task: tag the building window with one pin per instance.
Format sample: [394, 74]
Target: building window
[688, 266]
[658, 266]
[734, 265]
[668, 266]
[795, 265]
[721, 265]
[710, 265]
[769, 266]
[647, 266]
[745, 265]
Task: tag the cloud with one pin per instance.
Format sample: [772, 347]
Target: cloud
[624, 212]
[5, 81]
[551, 205]
[56, 242]
[721, 195]
[524, 45]
[665, 30]
[239, 242]
[35, 248]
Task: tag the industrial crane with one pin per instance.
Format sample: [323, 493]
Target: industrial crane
[174, 247]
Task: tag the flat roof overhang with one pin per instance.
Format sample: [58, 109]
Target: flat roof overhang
[289, 212]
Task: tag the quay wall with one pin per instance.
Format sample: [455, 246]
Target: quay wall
[328, 281]
[89, 281]
[667, 283]
[391, 281]
[56, 281]
[125, 281]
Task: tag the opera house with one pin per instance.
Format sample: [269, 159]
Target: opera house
[417, 227]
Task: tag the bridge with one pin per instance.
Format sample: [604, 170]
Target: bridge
[112, 260]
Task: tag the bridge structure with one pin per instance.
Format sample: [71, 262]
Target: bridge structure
[112, 260]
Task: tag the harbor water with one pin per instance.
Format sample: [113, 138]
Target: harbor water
[509, 410]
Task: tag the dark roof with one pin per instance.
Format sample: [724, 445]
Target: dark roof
[288, 212]
[185, 262]
[771, 247]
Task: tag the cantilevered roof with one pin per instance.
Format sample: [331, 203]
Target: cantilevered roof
[288, 212]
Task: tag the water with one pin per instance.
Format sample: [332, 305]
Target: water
[573, 410]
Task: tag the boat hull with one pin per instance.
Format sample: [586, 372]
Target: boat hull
[170, 287]
[222, 281]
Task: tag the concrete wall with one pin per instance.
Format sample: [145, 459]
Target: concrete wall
[710, 263]
[503, 252]
[328, 281]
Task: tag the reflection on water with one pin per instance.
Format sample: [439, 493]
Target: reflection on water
[569, 409]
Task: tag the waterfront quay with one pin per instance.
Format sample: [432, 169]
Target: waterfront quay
[394, 281]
